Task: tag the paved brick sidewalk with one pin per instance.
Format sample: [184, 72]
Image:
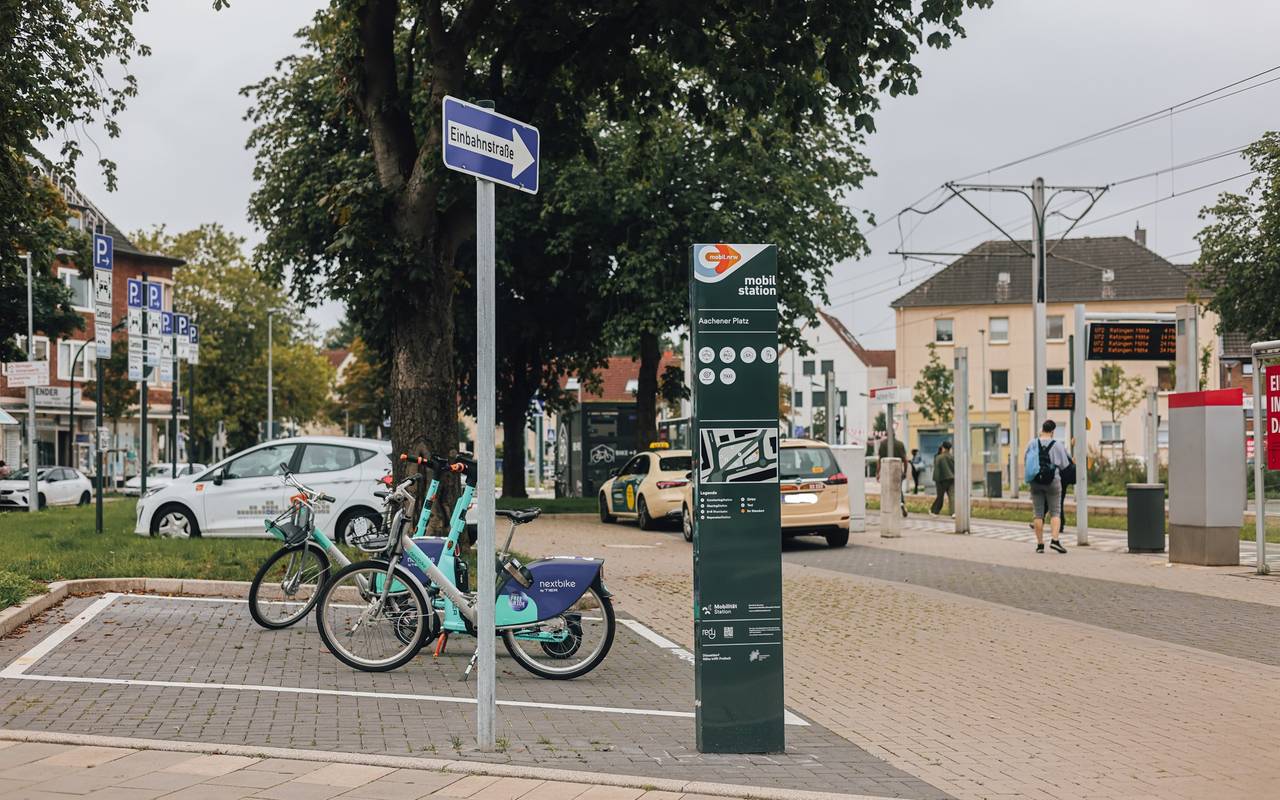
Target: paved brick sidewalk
[984, 700]
[38, 771]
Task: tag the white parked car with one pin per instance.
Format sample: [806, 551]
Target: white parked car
[234, 496]
[159, 475]
[57, 486]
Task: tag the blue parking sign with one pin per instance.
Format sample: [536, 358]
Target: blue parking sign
[182, 324]
[135, 293]
[166, 323]
[155, 296]
[103, 251]
[195, 333]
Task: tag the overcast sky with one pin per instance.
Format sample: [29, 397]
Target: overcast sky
[1031, 74]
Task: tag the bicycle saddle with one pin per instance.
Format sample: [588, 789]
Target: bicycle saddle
[521, 516]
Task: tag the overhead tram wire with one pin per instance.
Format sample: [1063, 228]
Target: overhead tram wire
[1164, 113]
[1163, 198]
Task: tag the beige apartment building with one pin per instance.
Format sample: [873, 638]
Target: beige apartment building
[983, 301]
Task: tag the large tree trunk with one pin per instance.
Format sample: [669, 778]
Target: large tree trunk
[647, 390]
[424, 400]
[514, 417]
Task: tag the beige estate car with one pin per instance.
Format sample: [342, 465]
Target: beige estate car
[815, 493]
[647, 488]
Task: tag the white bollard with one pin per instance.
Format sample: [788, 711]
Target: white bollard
[890, 498]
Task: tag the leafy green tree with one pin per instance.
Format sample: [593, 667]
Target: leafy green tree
[1240, 248]
[119, 394]
[934, 392]
[341, 335]
[361, 395]
[662, 181]
[347, 137]
[1115, 391]
[231, 300]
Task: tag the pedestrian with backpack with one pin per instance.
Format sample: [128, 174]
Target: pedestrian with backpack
[1044, 461]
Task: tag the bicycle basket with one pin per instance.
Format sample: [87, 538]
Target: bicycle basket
[287, 524]
[368, 536]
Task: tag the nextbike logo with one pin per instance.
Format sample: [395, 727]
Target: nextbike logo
[713, 261]
[556, 585]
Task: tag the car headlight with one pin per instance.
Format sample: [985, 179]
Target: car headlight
[152, 490]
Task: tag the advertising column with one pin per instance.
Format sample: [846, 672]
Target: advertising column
[737, 558]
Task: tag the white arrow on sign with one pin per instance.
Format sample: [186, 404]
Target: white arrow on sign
[512, 151]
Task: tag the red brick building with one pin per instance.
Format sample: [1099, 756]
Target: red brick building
[59, 438]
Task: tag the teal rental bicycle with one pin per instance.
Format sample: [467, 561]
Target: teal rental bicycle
[288, 585]
[554, 615]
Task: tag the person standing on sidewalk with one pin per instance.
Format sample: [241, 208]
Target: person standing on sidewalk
[1044, 461]
[944, 480]
[900, 453]
[917, 466]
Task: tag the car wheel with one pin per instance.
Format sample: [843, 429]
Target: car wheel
[41, 502]
[84, 499]
[838, 538]
[686, 524]
[174, 522]
[350, 519]
[605, 516]
[642, 515]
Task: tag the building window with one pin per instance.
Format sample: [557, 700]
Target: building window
[1246, 368]
[1055, 377]
[944, 330]
[807, 367]
[1053, 328]
[999, 330]
[828, 366]
[819, 399]
[1000, 381]
[1164, 378]
[67, 349]
[799, 401]
[844, 399]
[1111, 432]
[81, 288]
[41, 347]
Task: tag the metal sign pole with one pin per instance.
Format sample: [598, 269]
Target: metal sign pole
[1153, 473]
[486, 422]
[1015, 452]
[1081, 454]
[142, 450]
[33, 491]
[964, 467]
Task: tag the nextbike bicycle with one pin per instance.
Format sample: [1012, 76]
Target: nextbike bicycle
[288, 584]
[554, 615]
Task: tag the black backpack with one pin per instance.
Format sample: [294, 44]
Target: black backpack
[1045, 476]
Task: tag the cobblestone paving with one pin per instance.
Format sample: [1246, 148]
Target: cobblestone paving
[1233, 628]
[215, 643]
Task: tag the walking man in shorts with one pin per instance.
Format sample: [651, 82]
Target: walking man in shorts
[1045, 459]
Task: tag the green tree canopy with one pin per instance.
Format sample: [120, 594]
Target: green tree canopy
[230, 300]
[934, 392]
[1115, 391]
[347, 134]
[1240, 248]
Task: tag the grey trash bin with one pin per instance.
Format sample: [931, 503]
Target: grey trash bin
[994, 480]
[1146, 517]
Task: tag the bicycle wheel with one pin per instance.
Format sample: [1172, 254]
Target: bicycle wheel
[569, 645]
[287, 586]
[366, 630]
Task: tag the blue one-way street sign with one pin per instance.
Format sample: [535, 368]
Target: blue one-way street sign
[486, 144]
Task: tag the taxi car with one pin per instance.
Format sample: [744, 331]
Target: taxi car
[232, 497]
[648, 487]
[815, 493]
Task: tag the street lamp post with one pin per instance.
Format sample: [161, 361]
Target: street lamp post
[71, 405]
[33, 492]
[271, 430]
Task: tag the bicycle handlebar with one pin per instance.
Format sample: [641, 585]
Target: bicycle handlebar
[438, 463]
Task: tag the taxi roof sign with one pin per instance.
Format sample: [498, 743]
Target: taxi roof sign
[659, 445]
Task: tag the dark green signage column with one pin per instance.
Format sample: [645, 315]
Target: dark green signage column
[737, 548]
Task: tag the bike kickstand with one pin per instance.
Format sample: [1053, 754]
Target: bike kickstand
[466, 675]
[441, 641]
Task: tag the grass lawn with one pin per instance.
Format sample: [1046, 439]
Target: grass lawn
[552, 505]
[1103, 520]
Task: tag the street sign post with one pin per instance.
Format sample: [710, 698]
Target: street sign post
[1271, 417]
[493, 148]
[22, 374]
[490, 146]
[737, 578]
[103, 263]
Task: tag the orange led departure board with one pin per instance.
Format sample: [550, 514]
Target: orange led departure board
[1060, 401]
[1132, 341]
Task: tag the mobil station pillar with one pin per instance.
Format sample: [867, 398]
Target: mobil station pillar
[737, 523]
[1206, 451]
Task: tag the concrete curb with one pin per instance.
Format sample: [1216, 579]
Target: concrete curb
[451, 766]
[15, 616]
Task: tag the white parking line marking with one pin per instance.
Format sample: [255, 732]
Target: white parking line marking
[17, 670]
[43, 648]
